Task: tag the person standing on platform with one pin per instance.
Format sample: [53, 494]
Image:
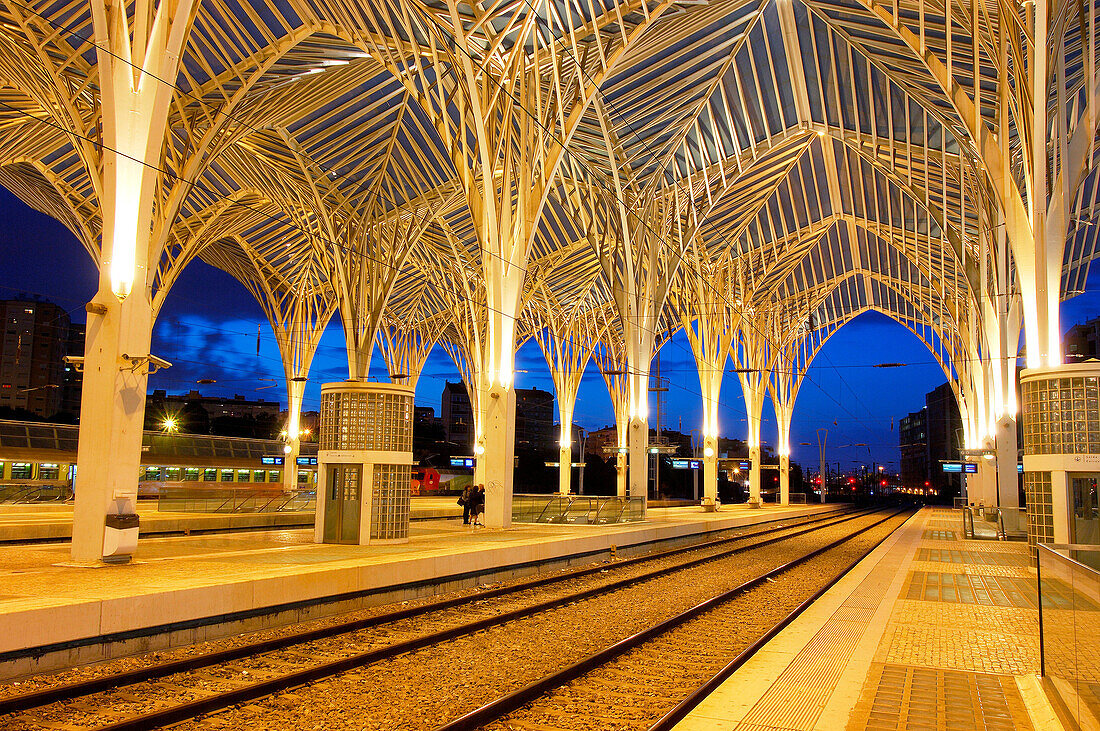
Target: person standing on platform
[478, 508]
[466, 500]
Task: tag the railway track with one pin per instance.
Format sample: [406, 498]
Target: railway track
[213, 681]
[659, 674]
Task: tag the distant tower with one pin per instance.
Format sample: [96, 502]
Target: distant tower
[32, 349]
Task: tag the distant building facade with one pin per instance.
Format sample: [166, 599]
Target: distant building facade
[602, 442]
[457, 415]
[1082, 340]
[535, 419]
[198, 414]
[913, 441]
[36, 338]
[72, 378]
[931, 436]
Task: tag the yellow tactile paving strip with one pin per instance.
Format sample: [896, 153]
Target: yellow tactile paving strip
[796, 699]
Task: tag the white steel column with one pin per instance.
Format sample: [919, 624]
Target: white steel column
[496, 452]
[784, 479]
[1008, 478]
[293, 439]
[638, 473]
[710, 469]
[754, 473]
[112, 414]
[132, 64]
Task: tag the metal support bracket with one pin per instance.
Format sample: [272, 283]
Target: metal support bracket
[152, 363]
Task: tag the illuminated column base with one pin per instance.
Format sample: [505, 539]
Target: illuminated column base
[290, 464]
[710, 471]
[499, 456]
[1060, 420]
[784, 479]
[1008, 477]
[620, 474]
[295, 391]
[754, 474]
[112, 416]
[638, 437]
[565, 469]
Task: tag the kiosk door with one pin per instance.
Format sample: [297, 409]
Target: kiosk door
[1086, 515]
[343, 501]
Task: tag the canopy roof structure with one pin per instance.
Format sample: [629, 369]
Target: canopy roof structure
[757, 171]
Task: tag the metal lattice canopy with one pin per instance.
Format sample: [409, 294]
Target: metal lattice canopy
[434, 170]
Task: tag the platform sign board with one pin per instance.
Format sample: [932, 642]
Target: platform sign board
[955, 468]
[307, 461]
[271, 460]
[745, 465]
[687, 464]
[467, 462]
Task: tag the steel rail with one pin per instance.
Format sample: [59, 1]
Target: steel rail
[504, 705]
[271, 686]
[69, 691]
[697, 696]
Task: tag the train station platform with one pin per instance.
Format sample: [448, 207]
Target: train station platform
[23, 523]
[928, 632]
[181, 590]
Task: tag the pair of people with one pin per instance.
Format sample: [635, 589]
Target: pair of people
[473, 504]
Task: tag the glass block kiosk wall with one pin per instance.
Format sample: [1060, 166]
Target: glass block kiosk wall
[364, 463]
[1061, 428]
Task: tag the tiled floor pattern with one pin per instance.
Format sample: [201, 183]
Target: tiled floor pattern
[968, 588]
[913, 698]
[965, 623]
[972, 558]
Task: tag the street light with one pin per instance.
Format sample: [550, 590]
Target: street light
[170, 424]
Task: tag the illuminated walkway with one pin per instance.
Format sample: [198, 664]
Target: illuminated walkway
[929, 632]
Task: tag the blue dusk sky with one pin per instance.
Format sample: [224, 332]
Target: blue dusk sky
[209, 323]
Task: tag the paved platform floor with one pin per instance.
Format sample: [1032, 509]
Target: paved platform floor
[929, 632]
[180, 580]
[54, 521]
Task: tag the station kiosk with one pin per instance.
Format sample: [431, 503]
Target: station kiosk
[1061, 425]
[364, 463]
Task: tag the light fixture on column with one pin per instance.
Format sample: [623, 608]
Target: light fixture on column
[124, 235]
[708, 452]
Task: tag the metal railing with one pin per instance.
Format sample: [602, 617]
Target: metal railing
[994, 524]
[577, 509]
[1069, 612]
[41, 493]
[226, 500]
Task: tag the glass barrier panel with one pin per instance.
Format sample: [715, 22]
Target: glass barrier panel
[1069, 592]
[577, 509]
[232, 498]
